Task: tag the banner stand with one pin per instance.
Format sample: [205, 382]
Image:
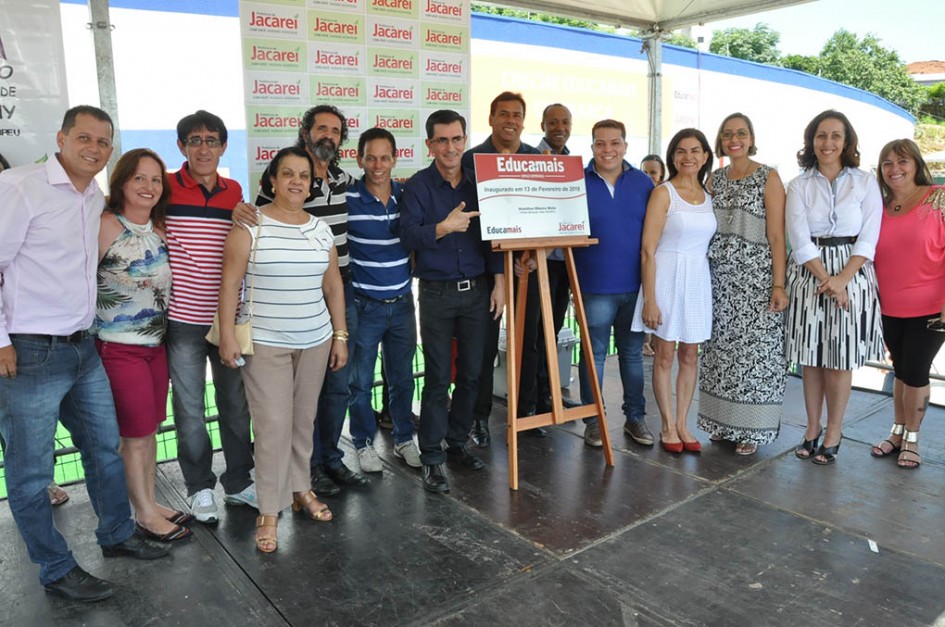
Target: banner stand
[539, 248]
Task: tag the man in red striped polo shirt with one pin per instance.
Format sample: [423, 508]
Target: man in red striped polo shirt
[199, 217]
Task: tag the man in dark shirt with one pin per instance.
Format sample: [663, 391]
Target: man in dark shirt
[507, 119]
[439, 221]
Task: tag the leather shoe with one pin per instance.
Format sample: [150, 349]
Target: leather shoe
[78, 585]
[480, 433]
[322, 484]
[434, 478]
[138, 547]
[344, 476]
[462, 456]
[637, 429]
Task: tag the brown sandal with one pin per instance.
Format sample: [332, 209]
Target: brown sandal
[909, 457]
[302, 500]
[879, 451]
[266, 542]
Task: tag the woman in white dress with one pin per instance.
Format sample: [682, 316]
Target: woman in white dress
[677, 290]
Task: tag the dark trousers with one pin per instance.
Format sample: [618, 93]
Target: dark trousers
[560, 288]
[483, 400]
[446, 312]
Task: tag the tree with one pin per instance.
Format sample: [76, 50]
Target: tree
[759, 44]
[540, 17]
[679, 39]
[865, 64]
[811, 65]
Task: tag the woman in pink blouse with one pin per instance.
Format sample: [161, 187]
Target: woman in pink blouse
[910, 269]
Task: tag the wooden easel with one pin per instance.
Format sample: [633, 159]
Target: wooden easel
[515, 326]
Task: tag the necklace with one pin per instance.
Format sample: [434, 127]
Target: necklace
[897, 208]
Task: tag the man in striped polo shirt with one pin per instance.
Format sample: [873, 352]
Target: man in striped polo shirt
[322, 131]
[198, 220]
[380, 271]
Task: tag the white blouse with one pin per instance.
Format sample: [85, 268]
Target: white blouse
[851, 206]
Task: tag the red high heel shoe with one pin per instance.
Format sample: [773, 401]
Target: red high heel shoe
[692, 447]
[671, 447]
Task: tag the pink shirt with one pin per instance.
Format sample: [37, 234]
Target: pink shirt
[910, 259]
[48, 251]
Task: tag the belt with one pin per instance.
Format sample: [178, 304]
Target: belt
[833, 241]
[386, 301]
[461, 286]
[76, 338]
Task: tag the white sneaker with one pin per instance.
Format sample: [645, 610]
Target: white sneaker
[204, 507]
[369, 460]
[247, 496]
[408, 452]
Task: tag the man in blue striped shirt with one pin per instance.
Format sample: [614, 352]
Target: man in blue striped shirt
[380, 277]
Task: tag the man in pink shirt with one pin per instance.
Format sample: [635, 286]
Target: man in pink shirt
[49, 368]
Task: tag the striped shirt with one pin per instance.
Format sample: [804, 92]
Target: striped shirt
[329, 205]
[198, 222]
[380, 265]
[288, 303]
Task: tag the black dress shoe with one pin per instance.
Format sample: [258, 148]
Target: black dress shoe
[322, 484]
[480, 433]
[342, 475]
[462, 456]
[78, 585]
[434, 478]
[384, 420]
[138, 547]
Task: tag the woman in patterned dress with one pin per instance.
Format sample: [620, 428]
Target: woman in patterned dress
[742, 379]
[910, 268]
[134, 286]
[833, 215]
[677, 292]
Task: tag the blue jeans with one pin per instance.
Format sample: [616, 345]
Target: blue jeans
[333, 402]
[187, 355]
[615, 311]
[394, 326]
[55, 381]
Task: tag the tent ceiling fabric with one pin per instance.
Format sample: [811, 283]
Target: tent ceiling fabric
[647, 15]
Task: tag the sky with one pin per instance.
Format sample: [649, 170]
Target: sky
[913, 28]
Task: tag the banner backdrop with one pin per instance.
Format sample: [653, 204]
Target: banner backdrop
[387, 63]
[33, 94]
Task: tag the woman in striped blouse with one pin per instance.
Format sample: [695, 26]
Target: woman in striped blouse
[298, 317]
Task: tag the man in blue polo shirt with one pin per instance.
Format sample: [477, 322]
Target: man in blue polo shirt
[507, 119]
[439, 221]
[609, 274]
[380, 277]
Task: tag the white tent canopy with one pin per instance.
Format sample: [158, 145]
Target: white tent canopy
[653, 18]
[660, 15]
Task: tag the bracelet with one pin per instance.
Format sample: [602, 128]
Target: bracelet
[341, 334]
[777, 287]
[340, 339]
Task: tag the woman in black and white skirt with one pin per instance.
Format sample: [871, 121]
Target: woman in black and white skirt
[833, 216]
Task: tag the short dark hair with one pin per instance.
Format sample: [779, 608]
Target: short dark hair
[68, 120]
[376, 133]
[674, 143]
[266, 183]
[125, 168]
[659, 160]
[908, 149]
[507, 96]
[849, 157]
[444, 116]
[609, 124]
[545, 111]
[198, 120]
[308, 121]
[751, 131]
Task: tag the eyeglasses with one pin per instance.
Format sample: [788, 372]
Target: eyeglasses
[211, 142]
[740, 134]
[935, 324]
[443, 141]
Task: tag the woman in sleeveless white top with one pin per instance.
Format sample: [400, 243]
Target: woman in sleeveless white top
[299, 331]
[677, 289]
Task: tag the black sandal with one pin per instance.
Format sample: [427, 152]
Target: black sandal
[879, 451]
[829, 454]
[807, 447]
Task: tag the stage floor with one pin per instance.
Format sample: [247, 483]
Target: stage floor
[659, 539]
